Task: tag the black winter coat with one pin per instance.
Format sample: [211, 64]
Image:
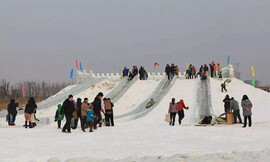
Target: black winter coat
[12, 109]
[68, 107]
[30, 107]
[227, 103]
[168, 69]
[97, 105]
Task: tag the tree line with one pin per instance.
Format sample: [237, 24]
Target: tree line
[32, 89]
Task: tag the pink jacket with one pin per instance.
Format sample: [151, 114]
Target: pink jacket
[173, 108]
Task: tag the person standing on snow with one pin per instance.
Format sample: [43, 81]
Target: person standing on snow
[29, 111]
[84, 109]
[173, 109]
[58, 116]
[12, 111]
[172, 71]
[211, 70]
[141, 73]
[97, 109]
[68, 109]
[219, 68]
[236, 112]
[206, 69]
[108, 105]
[77, 112]
[194, 72]
[181, 106]
[247, 106]
[215, 70]
[168, 71]
[177, 71]
[227, 104]
[201, 70]
[125, 72]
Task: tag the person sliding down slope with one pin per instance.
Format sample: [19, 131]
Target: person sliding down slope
[181, 106]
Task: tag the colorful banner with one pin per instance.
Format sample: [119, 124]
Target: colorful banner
[253, 72]
[187, 65]
[228, 60]
[77, 64]
[81, 68]
[23, 91]
[253, 82]
[71, 73]
[156, 64]
[85, 67]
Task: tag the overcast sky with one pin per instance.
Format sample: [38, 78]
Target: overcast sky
[40, 40]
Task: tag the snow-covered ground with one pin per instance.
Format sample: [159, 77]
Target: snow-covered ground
[148, 138]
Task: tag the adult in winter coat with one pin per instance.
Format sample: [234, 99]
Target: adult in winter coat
[191, 72]
[211, 70]
[29, 111]
[77, 112]
[215, 70]
[97, 109]
[201, 70]
[219, 69]
[58, 116]
[227, 104]
[181, 106]
[68, 109]
[168, 71]
[141, 73]
[235, 108]
[177, 71]
[247, 106]
[108, 105]
[172, 71]
[85, 107]
[173, 109]
[125, 72]
[206, 69]
[12, 112]
[194, 71]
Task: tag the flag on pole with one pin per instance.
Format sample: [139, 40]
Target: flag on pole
[253, 82]
[156, 64]
[77, 64]
[228, 60]
[71, 73]
[81, 68]
[85, 67]
[252, 70]
[187, 65]
[23, 91]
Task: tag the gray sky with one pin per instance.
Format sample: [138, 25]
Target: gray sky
[40, 40]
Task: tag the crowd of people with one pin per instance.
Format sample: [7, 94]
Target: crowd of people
[171, 71]
[143, 75]
[89, 114]
[231, 105]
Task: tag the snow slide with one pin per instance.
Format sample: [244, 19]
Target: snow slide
[162, 89]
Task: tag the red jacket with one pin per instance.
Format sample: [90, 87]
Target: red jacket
[181, 105]
[194, 70]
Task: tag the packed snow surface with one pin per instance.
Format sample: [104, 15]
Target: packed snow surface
[148, 138]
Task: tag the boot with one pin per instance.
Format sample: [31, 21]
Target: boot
[30, 125]
[25, 124]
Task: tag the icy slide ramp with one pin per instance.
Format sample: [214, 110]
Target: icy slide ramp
[162, 90]
[121, 89]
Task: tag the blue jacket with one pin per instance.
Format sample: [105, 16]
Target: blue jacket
[125, 72]
[90, 115]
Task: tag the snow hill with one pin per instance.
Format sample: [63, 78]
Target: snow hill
[147, 138]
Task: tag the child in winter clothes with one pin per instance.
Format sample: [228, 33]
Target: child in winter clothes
[247, 106]
[58, 116]
[181, 106]
[90, 117]
[173, 109]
